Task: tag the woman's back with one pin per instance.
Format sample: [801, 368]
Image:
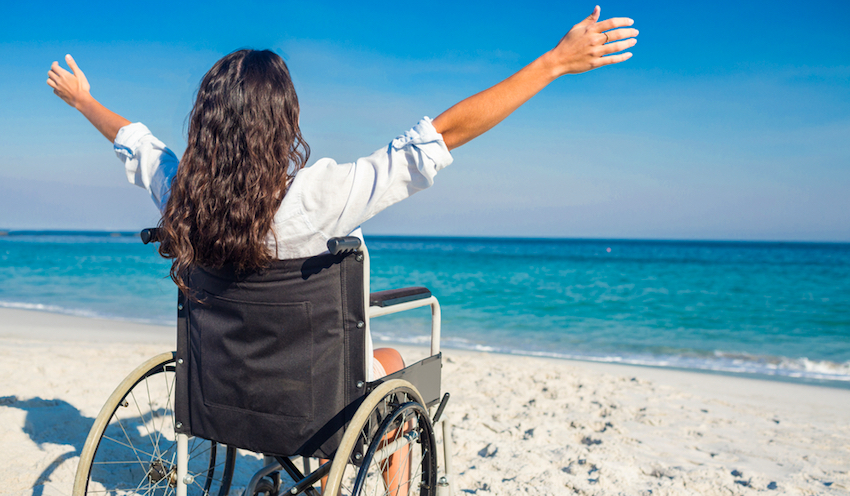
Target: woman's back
[324, 200]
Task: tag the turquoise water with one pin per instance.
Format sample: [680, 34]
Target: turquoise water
[780, 309]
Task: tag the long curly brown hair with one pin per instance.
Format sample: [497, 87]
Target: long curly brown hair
[244, 148]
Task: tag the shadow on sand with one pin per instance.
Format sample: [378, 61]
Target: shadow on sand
[57, 422]
[51, 422]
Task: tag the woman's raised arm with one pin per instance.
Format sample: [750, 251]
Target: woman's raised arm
[588, 45]
[74, 89]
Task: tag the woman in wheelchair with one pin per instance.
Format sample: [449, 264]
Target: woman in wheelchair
[243, 199]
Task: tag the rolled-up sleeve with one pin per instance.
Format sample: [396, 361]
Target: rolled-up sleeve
[337, 198]
[147, 161]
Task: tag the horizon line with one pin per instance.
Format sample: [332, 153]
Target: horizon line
[123, 233]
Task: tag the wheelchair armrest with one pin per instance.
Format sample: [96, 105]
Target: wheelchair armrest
[396, 296]
[400, 300]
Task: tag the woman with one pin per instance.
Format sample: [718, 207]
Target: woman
[242, 194]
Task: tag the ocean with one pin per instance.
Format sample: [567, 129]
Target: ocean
[777, 310]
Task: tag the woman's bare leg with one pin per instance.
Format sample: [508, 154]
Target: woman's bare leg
[396, 470]
[390, 359]
[399, 463]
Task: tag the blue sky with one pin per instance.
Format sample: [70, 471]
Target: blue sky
[730, 122]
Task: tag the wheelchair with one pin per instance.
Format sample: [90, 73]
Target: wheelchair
[276, 364]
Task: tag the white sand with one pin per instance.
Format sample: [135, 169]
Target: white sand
[522, 425]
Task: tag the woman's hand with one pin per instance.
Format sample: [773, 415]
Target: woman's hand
[585, 47]
[590, 44]
[74, 88]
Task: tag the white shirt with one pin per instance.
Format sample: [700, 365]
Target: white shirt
[326, 199]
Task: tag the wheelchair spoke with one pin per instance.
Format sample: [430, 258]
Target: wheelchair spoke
[141, 482]
[131, 447]
[400, 456]
[144, 420]
[129, 442]
[117, 462]
[158, 485]
[157, 431]
[137, 450]
[198, 444]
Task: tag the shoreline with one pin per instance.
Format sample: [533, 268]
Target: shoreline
[546, 425]
[45, 325]
[756, 376]
[87, 327]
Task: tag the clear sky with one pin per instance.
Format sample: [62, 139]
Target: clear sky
[731, 121]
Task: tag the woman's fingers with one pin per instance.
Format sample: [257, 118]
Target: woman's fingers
[618, 46]
[614, 59]
[614, 22]
[71, 62]
[78, 73]
[594, 16]
[53, 78]
[59, 70]
[70, 87]
[620, 34]
[74, 67]
[591, 19]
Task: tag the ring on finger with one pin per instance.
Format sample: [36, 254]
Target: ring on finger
[607, 39]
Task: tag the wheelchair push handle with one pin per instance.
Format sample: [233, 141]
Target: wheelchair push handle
[344, 244]
[151, 235]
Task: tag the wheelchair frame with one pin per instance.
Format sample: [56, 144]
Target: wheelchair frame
[384, 409]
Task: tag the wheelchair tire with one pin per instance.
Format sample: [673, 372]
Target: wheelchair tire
[392, 426]
[131, 448]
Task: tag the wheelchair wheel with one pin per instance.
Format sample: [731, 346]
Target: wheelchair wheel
[388, 448]
[132, 447]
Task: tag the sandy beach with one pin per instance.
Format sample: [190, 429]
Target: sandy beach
[522, 425]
